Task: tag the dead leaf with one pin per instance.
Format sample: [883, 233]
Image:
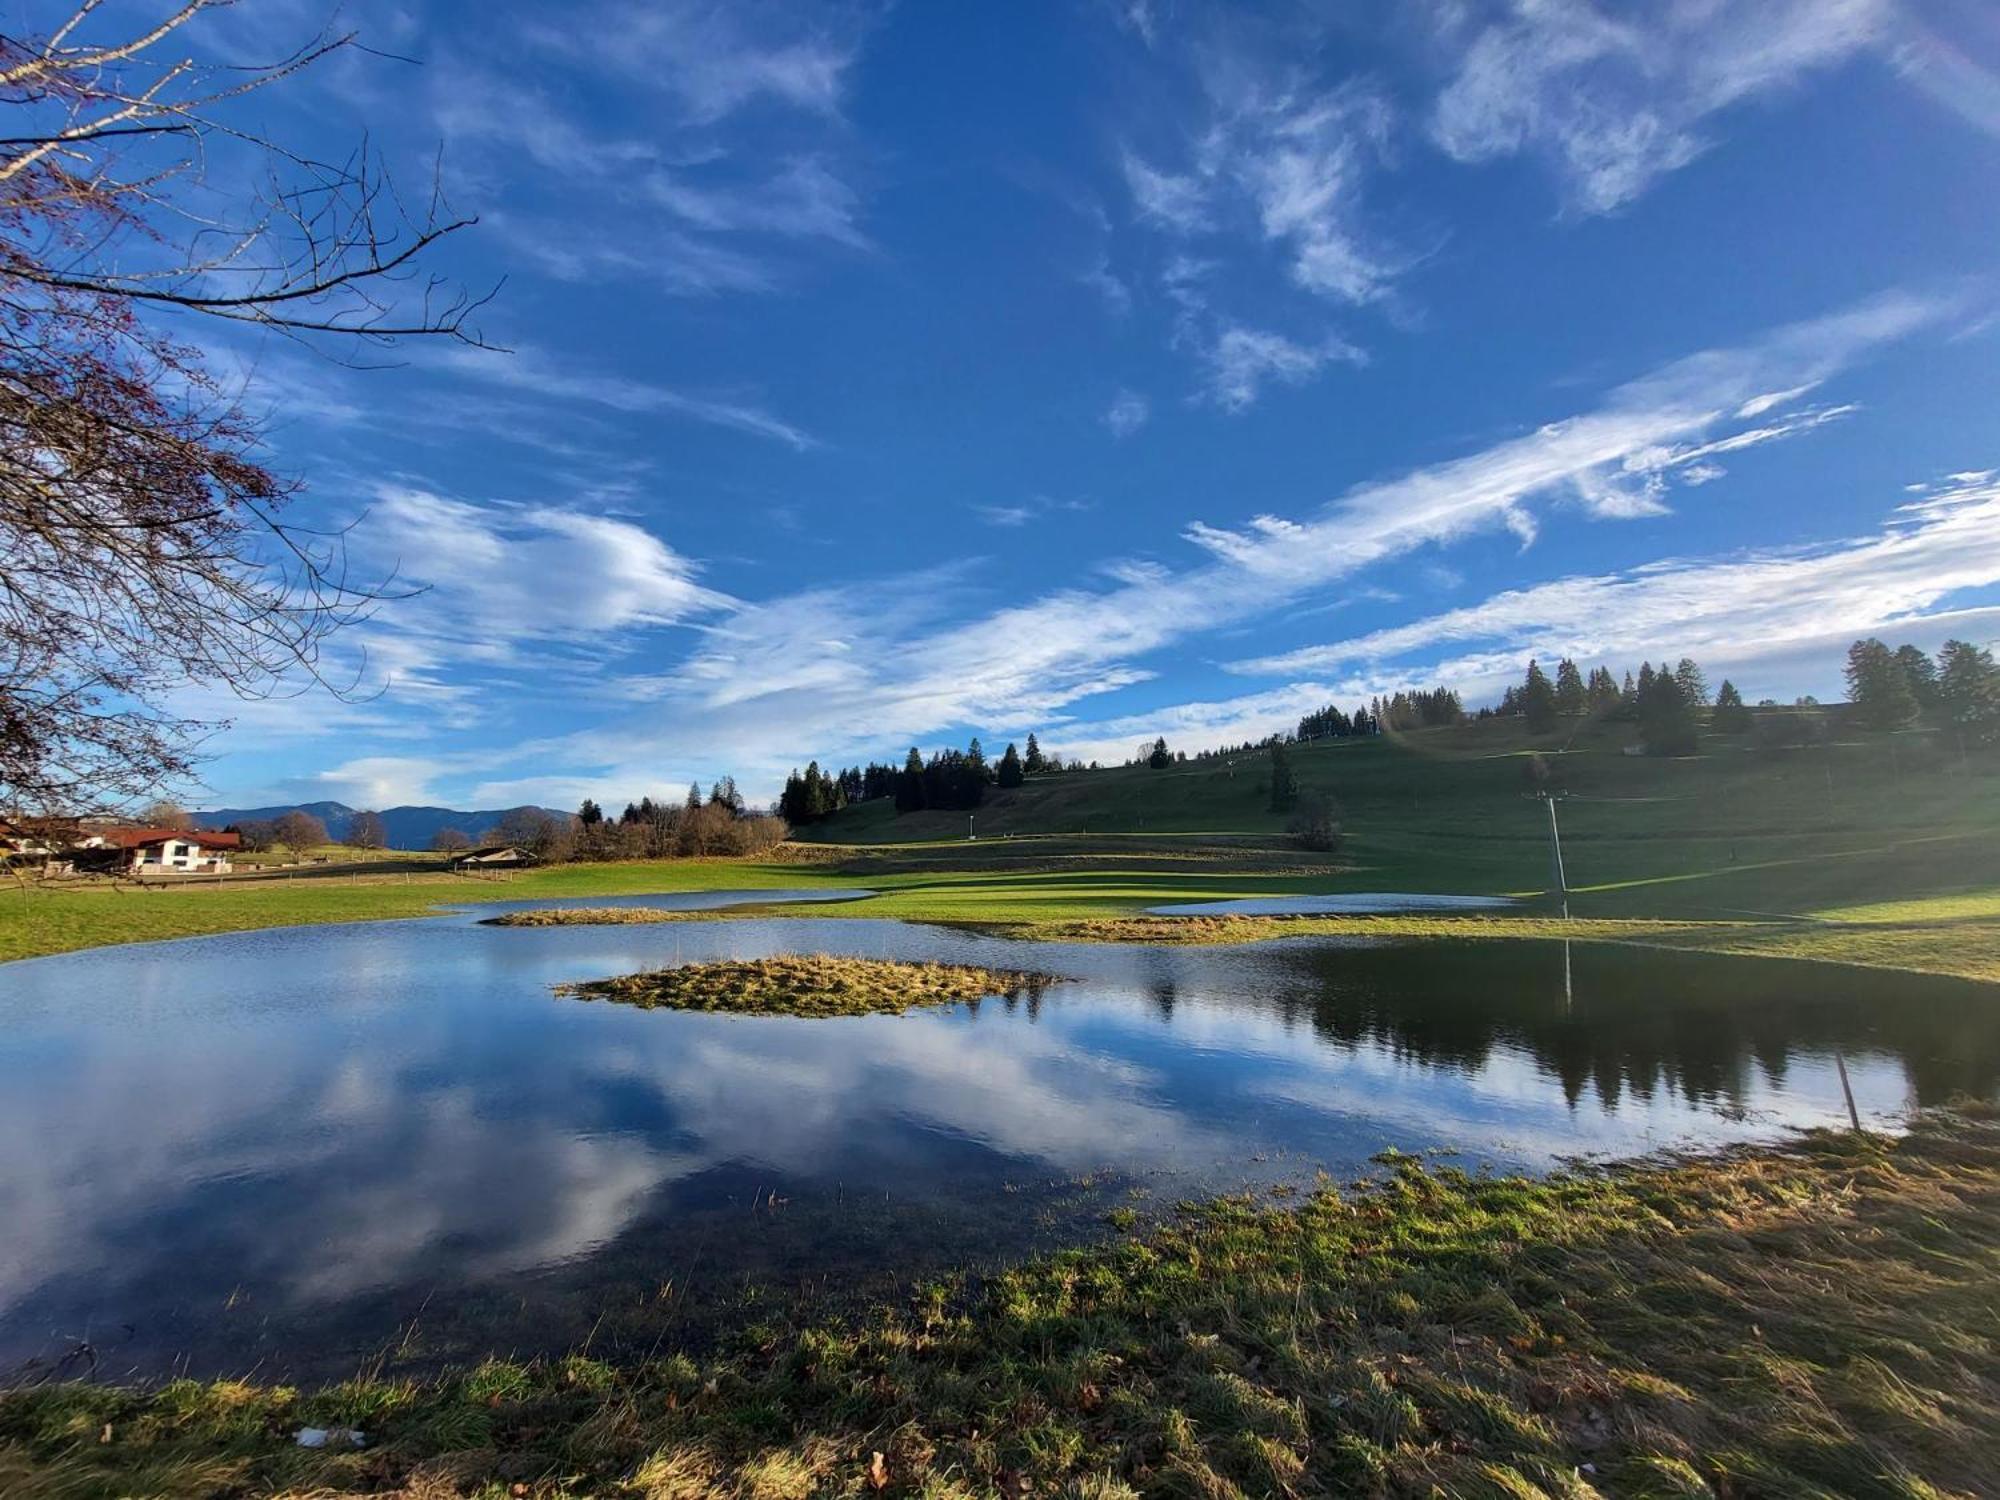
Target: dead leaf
[878, 1473]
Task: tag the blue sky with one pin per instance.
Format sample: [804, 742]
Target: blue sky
[882, 375]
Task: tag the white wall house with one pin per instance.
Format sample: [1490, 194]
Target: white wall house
[175, 851]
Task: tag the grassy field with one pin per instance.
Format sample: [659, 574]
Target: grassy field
[1812, 1321]
[1884, 850]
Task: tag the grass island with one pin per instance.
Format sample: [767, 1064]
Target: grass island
[815, 984]
[586, 916]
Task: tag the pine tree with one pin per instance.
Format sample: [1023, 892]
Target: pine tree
[1011, 775]
[910, 785]
[1922, 675]
[1969, 689]
[1570, 695]
[1693, 684]
[1878, 687]
[1160, 759]
[1666, 717]
[1538, 700]
[1284, 784]
[1035, 765]
[1730, 716]
[693, 803]
[1600, 695]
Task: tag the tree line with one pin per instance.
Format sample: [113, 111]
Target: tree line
[1892, 689]
[951, 779]
[718, 823]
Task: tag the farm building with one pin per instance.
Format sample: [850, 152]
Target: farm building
[498, 856]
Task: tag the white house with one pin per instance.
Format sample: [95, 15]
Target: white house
[185, 851]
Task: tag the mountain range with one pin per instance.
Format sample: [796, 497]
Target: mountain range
[407, 827]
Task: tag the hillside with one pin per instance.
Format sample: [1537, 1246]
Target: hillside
[1733, 829]
[408, 827]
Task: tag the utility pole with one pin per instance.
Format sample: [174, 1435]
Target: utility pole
[1556, 851]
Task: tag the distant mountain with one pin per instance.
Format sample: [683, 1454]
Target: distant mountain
[408, 827]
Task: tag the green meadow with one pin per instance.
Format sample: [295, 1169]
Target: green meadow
[1877, 849]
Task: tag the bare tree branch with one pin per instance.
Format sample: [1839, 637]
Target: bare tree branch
[144, 546]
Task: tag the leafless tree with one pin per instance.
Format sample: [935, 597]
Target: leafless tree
[144, 545]
[450, 841]
[165, 814]
[367, 831]
[298, 831]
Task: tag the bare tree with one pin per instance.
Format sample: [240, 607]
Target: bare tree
[143, 544]
[367, 831]
[298, 831]
[165, 814]
[450, 841]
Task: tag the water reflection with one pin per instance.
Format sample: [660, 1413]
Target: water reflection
[289, 1146]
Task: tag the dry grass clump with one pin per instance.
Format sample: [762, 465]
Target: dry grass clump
[586, 916]
[1816, 1321]
[815, 984]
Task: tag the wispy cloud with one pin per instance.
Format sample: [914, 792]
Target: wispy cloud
[531, 370]
[715, 60]
[1283, 157]
[789, 672]
[1127, 413]
[1615, 97]
[1729, 608]
[803, 199]
[1242, 360]
[1173, 200]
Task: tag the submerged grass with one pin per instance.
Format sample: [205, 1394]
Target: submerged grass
[816, 984]
[1812, 1321]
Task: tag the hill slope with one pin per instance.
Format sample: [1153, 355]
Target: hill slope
[1733, 829]
[408, 827]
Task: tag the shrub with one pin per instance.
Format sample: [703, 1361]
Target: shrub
[1316, 824]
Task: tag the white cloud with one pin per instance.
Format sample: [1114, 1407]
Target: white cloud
[1727, 609]
[715, 60]
[1617, 97]
[375, 781]
[780, 675]
[1127, 414]
[860, 668]
[1172, 200]
[1287, 159]
[1242, 359]
[528, 369]
[533, 571]
[803, 199]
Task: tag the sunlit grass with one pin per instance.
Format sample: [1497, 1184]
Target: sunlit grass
[1808, 1321]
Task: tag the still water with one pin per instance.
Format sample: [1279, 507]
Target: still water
[294, 1150]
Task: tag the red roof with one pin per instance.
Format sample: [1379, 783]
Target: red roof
[136, 838]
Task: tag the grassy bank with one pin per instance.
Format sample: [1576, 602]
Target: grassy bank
[815, 984]
[1093, 890]
[1811, 1321]
[1882, 850]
